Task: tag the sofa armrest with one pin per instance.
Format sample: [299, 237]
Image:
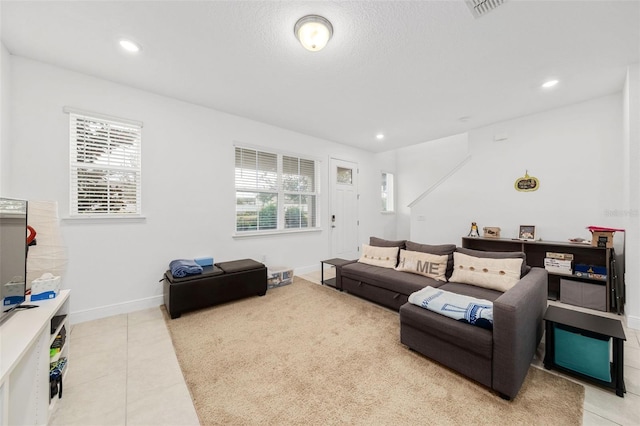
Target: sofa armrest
[517, 329]
[339, 274]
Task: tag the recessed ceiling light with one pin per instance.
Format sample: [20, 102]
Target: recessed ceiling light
[130, 46]
[550, 83]
[379, 136]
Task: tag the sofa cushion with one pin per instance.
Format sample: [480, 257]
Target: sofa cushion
[429, 265]
[463, 335]
[499, 255]
[440, 249]
[384, 257]
[379, 242]
[497, 274]
[389, 279]
[472, 291]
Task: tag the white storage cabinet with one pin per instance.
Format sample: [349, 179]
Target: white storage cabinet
[24, 361]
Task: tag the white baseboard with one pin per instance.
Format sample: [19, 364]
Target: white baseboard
[302, 270]
[633, 322]
[147, 303]
[117, 309]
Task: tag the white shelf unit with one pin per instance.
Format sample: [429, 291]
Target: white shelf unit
[64, 350]
[24, 362]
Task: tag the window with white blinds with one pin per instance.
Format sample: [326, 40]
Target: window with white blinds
[105, 167]
[274, 192]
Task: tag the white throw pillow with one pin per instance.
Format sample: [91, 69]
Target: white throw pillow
[430, 265]
[385, 257]
[496, 274]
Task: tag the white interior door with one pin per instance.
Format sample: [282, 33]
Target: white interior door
[343, 216]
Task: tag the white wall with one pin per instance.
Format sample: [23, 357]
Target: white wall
[188, 186]
[577, 153]
[421, 168]
[631, 212]
[5, 96]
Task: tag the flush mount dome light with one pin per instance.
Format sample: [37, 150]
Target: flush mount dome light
[313, 31]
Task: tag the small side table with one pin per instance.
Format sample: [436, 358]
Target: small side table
[597, 327]
[337, 263]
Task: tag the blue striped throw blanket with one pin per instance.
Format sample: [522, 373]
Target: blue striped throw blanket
[457, 306]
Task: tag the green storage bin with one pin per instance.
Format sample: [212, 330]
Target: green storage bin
[582, 351]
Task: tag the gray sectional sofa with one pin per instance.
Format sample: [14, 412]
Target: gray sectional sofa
[497, 358]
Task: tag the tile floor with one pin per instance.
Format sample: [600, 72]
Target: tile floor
[123, 371]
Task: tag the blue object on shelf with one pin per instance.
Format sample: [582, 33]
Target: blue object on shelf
[591, 271]
[584, 352]
[45, 295]
[204, 261]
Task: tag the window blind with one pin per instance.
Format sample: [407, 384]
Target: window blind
[298, 186]
[105, 166]
[256, 190]
[274, 191]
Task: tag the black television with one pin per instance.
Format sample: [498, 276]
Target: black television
[13, 255]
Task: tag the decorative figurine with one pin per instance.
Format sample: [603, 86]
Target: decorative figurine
[474, 230]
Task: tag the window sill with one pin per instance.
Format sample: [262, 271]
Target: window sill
[104, 219]
[273, 233]
[392, 212]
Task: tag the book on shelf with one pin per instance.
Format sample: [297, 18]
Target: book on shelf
[591, 271]
[561, 271]
[591, 275]
[558, 266]
[560, 256]
[558, 263]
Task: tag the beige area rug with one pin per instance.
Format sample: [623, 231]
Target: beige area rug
[307, 354]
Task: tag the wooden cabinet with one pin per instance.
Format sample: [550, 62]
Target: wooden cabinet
[536, 252]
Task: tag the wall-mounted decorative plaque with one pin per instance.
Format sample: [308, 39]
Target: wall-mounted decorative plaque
[527, 183]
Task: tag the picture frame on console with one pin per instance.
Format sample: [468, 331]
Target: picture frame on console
[527, 233]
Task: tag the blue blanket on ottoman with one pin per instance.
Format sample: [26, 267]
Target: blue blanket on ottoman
[182, 267]
[457, 306]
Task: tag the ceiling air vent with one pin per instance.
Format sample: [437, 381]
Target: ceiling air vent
[481, 7]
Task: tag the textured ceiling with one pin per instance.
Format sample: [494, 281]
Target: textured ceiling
[408, 69]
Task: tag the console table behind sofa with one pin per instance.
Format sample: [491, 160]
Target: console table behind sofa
[612, 287]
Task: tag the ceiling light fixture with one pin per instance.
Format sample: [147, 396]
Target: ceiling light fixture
[129, 46]
[380, 136]
[549, 84]
[313, 31]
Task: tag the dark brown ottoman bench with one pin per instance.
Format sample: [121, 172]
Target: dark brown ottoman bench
[217, 284]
